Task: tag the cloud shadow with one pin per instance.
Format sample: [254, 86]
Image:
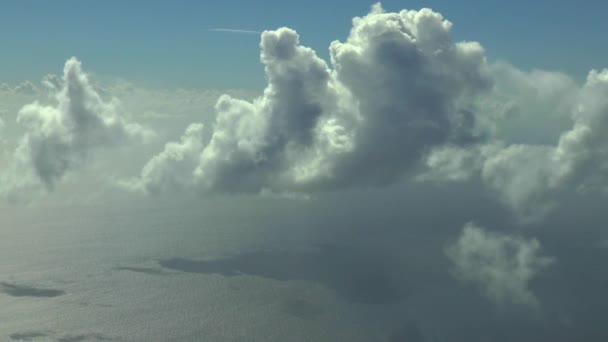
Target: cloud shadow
[145, 270]
[301, 308]
[356, 275]
[27, 335]
[16, 290]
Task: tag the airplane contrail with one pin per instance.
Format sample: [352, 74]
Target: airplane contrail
[235, 31]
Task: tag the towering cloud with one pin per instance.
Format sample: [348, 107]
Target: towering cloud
[61, 137]
[502, 266]
[398, 86]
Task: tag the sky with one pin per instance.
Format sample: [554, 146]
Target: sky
[398, 171]
[159, 42]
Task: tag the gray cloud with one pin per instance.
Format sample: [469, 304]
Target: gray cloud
[60, 138]
[502, 266]
[398, 87]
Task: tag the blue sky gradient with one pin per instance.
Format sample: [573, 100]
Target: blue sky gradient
[169, 43]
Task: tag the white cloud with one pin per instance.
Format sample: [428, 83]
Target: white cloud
[531, 107]
[502, 266]
[172, 168]
[398, 87]
[529, 177]
[26, 88]
[61, 137]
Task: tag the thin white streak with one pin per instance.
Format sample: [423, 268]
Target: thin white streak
[235, 31]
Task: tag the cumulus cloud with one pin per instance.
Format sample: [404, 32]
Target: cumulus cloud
[529, 177]
[5, 88]
[172, 168]
[26, 88]
[531, 107]
[52, 82]
[502, 266]
[397, 87]
[61, 137]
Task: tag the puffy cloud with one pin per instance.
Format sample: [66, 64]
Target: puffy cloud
[531, 107]
[502, 266]
[529, 177]
[172, 168]
[398, 87]
[26, 88]
[59, 138]
[52, 82]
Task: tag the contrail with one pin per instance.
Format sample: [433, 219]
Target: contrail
[235, 31]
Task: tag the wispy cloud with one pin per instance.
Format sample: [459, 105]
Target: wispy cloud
[235, 31]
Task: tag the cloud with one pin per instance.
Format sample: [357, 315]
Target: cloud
[502, 266]
[26, 88]
[398, 86]
[529, 177]
[52, 82]
[532, 107]
[60, 138]
[172, 168]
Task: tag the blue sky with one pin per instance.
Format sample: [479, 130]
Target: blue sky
[168, 42]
